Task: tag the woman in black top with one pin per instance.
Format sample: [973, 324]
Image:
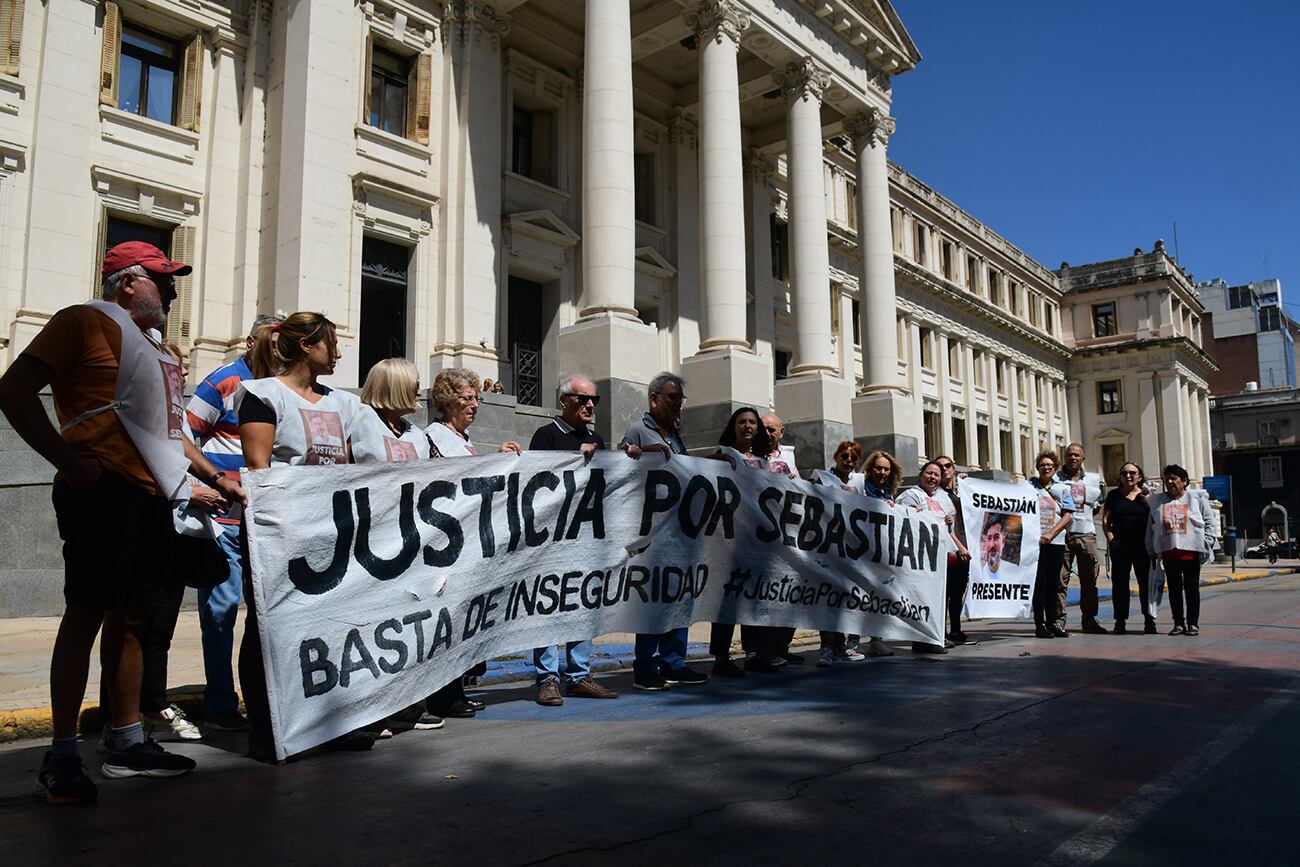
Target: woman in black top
[1124, 523]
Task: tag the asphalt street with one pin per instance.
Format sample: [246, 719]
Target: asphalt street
[1118, 750]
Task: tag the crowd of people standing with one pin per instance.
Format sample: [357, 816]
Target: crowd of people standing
[128, 441]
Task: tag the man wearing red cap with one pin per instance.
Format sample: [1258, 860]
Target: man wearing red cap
[122, 458]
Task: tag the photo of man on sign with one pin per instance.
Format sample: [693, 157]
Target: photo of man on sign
[999, 543]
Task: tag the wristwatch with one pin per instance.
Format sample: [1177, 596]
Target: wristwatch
[216, 477]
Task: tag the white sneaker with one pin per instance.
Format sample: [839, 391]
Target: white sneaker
[826, 659]
[170, 724]
[850, 655]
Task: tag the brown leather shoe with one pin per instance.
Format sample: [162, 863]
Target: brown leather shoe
[548, 693]
[588, 688]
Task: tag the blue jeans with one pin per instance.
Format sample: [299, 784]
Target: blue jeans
[577, 662]
[660, 654]
[218, 609]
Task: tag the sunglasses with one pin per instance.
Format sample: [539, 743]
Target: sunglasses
[583, 398]
[945, 466]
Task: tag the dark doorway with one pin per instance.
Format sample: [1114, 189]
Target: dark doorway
[384, 269]
[526, 336]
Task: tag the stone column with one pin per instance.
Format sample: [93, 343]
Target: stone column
[683, 135]
[726, 374]
[470, 220]
[972, 414]
[1207, 435]
[608, 180]
[803, 84]
[312, 203]
[1015, 464]
[883, 417]
[718, 25]
[609, 343]
[57, 269]
[943, 376]
[1148, 388]
[815, 402]
[995, 418]
[1171, 420]
[217, 320]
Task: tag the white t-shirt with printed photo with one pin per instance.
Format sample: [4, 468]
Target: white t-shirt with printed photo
[374, 442]
[306, 433]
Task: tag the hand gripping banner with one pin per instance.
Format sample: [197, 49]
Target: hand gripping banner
[1002, 532]
[377, 584]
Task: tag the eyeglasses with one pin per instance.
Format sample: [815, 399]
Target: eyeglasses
[944, 466]
[1128, 473]
[583, 398]
[467, 399]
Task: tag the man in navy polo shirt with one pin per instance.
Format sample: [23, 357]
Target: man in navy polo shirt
[570, 431]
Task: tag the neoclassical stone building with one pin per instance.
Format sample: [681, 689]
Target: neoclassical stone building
[531, 187]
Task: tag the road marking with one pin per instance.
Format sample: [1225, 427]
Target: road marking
[1098, 839]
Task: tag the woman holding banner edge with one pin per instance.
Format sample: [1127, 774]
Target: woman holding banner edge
[927, 496]
[1055, 504]
[287, 418]
[882, 476]
[834, 645]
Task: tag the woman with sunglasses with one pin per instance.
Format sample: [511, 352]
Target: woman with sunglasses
[1124, 523]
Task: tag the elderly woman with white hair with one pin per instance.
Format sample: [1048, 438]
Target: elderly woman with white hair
[454, 396]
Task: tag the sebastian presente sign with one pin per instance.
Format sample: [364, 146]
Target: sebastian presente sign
[376, 584]
[1002, 532]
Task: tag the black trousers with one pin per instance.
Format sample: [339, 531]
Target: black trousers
[753, 639]
[156, 632]
[1046, 580]
[1184, 580]
[958, 578]
[1122, 561]
[252, 675]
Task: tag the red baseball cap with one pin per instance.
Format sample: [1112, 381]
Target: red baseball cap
[130, 253]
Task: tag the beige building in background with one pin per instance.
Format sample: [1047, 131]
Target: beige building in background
[531, 188]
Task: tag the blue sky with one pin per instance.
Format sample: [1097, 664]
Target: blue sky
[1079, 131]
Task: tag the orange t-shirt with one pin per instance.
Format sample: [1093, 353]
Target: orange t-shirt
[83, 348]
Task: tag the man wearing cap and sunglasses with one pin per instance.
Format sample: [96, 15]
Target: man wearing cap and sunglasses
[122, 458]
[570, 431]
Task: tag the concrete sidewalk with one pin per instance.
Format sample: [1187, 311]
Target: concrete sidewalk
[25, 645]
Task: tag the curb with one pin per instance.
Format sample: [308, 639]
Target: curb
[37, 722]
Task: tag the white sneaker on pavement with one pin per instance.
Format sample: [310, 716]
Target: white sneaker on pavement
[170, 724]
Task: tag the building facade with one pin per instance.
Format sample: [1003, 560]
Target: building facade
[536, 187]
[1139, 386]
[1256, 440]
[1252, 338]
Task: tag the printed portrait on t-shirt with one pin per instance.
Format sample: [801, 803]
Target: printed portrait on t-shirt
[777, 465]
[324, 432]
[174, 383]
[400, 451]
[1078, 493]
[1173, 518]
[1047, 514]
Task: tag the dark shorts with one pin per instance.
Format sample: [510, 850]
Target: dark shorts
[116, 544]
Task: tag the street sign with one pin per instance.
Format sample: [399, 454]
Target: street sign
[1218, 487]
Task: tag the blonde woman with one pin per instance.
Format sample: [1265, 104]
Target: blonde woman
[384, 434]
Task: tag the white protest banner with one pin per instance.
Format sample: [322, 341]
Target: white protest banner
[1002, 532]
[376, 584]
